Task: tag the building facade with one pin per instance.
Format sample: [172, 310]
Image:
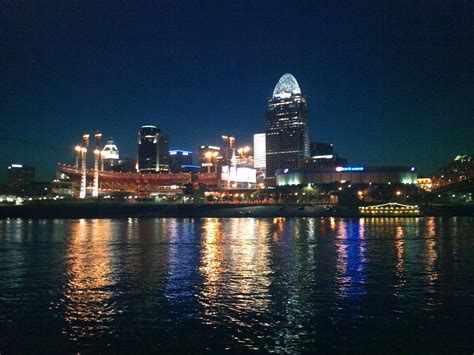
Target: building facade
[259, 151]
[180, 160]
[287, 134]
[110, 155]
[227, 148]
[209, 157]
[349, 174]
[19, 177]
[153, 150]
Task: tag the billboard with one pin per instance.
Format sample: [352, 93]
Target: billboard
[238, 174]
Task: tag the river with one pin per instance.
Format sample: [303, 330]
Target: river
[238, 284]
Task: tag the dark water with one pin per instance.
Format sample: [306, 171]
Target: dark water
[295, 285]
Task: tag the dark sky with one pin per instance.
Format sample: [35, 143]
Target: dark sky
[389, 83]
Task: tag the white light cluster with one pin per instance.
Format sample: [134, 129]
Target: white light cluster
[259, 150]
[286, 87]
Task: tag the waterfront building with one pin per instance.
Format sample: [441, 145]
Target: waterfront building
[347, 174]
[287, 135]
[180, 159]
[153, 150]
[133, 183]
[19, 176]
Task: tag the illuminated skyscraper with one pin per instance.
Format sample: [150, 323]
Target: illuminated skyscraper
[227, 148]
[110, 155]
[287, 137]
[181, 161]
[259, 151]
[153, 150]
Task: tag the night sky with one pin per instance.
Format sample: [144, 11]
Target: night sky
[389, 83]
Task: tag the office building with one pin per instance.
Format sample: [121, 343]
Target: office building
[180, 159]
[259, 151]
[153, 150]
[209, 156]
[19, 177]
[287, 135]
[110, 155]
[228, 145]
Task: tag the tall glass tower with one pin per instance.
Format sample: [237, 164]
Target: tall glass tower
[153, 150]
[287, 137]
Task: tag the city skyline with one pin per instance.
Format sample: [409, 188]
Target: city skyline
[382, 86]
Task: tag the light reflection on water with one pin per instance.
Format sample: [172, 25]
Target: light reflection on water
[278, 285]
[87, 298]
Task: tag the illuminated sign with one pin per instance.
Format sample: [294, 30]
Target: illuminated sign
[238, 174]
[17, 166]
[350, 168]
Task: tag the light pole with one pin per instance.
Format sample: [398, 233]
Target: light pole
[95, 189]
[82, 193]
[85, 144]
[77, 149]
[102, 156]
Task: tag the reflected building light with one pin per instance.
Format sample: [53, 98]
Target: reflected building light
[90, 279]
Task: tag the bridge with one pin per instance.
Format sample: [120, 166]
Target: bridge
[464, 186]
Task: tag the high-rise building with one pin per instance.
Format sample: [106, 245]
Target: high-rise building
[19, 177]
[110, 155]
[287, 135]
[209, 156]
[259, 151]
[180, 160]
[153, 150]
[227, 148]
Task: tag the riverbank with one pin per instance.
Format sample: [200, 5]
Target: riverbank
[121, 210]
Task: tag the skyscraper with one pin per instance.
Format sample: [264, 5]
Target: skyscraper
[180, 160]
[153, 150]
[287, 136]
[110, 155]
[227, 148]
[259, 151]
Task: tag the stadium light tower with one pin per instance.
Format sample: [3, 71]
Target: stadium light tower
[97, 156]
[85, 144]
[77, 149]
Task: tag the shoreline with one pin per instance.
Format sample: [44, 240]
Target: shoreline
[123, 210]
